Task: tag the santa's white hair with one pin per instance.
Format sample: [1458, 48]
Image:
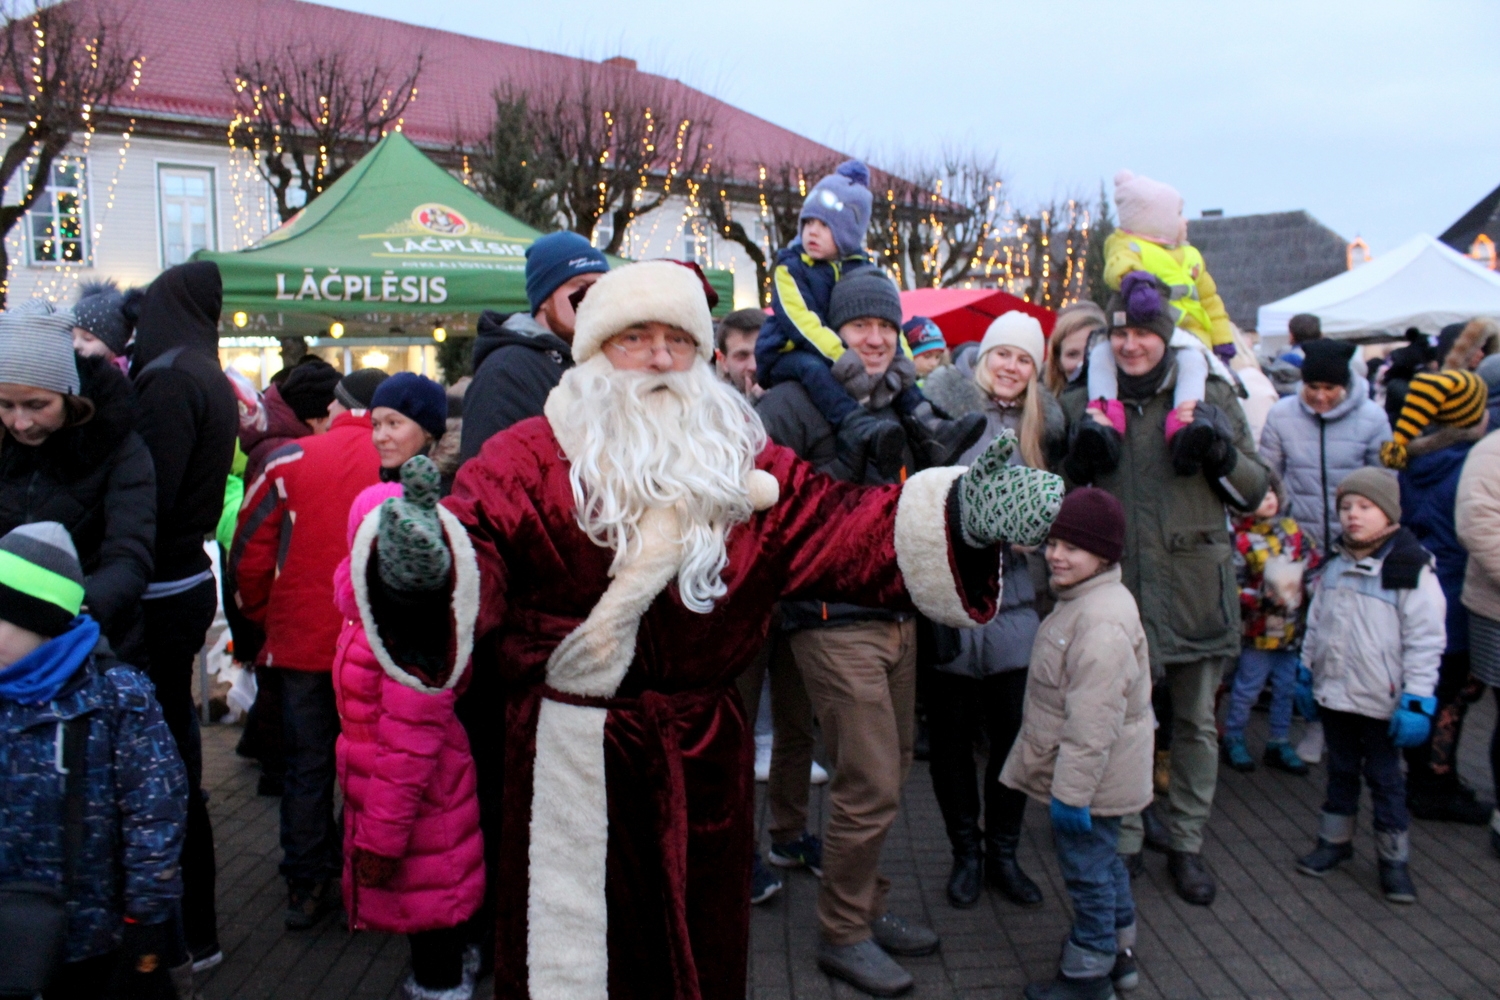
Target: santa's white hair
[647, 439]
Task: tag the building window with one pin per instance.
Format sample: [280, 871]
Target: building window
[187, 212]
[57, 223]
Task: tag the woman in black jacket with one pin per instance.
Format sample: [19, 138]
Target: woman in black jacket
[75, 458]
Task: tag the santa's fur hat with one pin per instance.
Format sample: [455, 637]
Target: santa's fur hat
[657, 291]
[1149, 208]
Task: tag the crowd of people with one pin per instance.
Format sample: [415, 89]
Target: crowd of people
[510, 639]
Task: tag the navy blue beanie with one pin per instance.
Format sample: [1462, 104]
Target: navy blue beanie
[842, 201]
[554, 259]
[416, 397]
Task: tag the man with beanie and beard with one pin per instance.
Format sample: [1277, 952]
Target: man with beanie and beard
[290, 539]
[519, 359]
[1178, 560]
[188, 418]
[617, 562]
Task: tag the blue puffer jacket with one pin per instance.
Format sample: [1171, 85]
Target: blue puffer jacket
[1429, 492]
[801, 289]
[1314, 453]
[136, 805]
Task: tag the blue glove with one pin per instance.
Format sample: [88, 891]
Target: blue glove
[1070, 819]
[1302, 697]
[1412, 721]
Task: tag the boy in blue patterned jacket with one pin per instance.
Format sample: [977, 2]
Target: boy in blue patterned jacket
[65, 703]
[797, 343]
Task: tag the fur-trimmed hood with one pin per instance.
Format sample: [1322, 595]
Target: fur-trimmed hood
[1480, 334]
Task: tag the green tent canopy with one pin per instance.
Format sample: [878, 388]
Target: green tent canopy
[395, 243]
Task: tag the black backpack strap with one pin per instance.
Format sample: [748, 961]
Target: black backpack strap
[162, 360]
[75, 738]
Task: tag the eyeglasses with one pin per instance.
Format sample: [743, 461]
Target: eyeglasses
[638, 344]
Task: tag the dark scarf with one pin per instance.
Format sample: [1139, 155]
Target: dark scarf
[1139, 388]
[875, 391]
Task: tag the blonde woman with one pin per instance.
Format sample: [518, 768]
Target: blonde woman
[980, 674]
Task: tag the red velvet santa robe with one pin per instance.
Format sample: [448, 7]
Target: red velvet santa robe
[676, 754]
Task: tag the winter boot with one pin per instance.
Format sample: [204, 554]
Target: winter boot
[1280, 756]
[1234, 753]
[1310, 749]
[1083, 974]
[1394, 847]
[865, 443]
[939, 440]
[1194, 882]
[1446, 799]
[966, 879]
[1190, 444]
[1004, 873]
[1095, 452]
[1335, 846]
[1125, 975]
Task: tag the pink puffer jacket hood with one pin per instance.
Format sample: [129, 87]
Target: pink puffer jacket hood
[408, 779]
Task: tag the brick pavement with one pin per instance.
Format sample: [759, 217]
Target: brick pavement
[1272, 932]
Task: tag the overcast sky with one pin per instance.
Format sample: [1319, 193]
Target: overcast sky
[1378, 117]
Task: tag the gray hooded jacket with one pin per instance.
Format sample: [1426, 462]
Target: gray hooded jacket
[1313, 453]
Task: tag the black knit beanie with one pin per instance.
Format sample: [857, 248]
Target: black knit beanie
[309, 389]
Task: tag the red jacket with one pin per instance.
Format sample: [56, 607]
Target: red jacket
[290, 539]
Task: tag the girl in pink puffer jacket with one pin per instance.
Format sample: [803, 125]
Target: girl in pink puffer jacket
[414, 859]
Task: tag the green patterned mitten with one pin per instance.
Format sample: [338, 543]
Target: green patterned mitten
[998, 502]
[413, 552]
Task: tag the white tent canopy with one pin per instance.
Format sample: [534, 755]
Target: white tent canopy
[1422, 283]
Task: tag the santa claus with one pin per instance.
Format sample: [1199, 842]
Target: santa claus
[617, 561]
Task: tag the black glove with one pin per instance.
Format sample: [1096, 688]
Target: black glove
[1221, 455]
[1094, 451]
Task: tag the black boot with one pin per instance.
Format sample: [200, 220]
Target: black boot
[1194, 882]
[1189, 447]
[1157, 837]
[939, 440]
[966, 880]
[1095, 452]
[1004, 873]
[865, 442]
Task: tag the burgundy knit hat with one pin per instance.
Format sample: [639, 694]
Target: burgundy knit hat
[1094, 521]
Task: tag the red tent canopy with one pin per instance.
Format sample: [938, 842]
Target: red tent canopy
[963, 314]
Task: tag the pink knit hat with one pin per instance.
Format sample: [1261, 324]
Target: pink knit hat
[1149, 208]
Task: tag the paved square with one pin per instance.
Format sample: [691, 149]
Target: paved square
[1272, 933]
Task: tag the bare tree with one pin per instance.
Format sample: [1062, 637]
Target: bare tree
[64, 67]
[618, 142]
[308, 111]
[510, 169]
[1047, 253]
[1099, 231]
[776, 195]
[937, 223]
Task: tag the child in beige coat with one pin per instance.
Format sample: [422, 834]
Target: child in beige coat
[1086, 741]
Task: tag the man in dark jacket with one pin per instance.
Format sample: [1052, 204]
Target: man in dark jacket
[291, 537]
[520, 358]
[188, 419]
[860, 669]
[1178, 557]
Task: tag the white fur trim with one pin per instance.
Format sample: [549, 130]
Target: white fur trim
[651, 291]
[567, 919]
[464, 604]
[923, 547]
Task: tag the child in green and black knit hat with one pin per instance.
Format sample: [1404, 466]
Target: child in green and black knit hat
[68, 707]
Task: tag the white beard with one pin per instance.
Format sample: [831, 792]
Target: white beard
[641, 440]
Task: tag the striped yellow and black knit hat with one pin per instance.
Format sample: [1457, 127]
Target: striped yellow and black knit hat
[1451, 396]
[41, 583]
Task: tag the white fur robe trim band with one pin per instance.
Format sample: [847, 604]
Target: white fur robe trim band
[923, 548]
[465, 602]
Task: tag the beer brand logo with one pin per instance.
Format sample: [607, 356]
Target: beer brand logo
[440, 219]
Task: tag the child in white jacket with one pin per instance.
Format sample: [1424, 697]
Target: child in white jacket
[1375, 634]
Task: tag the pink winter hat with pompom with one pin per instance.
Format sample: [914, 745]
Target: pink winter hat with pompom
[1149, 208]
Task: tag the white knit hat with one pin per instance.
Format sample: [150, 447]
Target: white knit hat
[654, 291]
[36, 349]
[1015, 329]
[1148, 208]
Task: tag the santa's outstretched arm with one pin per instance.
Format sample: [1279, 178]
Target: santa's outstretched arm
[416, 580]
[929, 543]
